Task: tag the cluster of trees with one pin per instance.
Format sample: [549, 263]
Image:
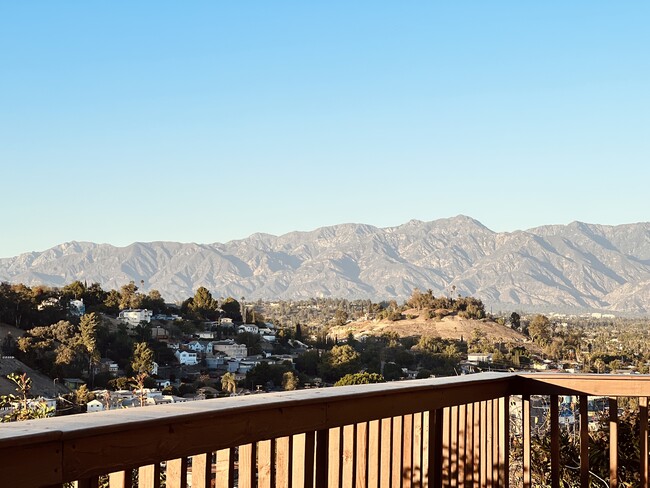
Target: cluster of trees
[27, 307]
[467, 307]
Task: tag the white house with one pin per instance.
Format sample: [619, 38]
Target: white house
[189, 358]
[94, 406]
[133, 317]
[476, 358]
[252, 328]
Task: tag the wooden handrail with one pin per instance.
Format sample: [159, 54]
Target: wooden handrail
[447, 432]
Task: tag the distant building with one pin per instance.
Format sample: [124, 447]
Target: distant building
[133, 317]
[187, 358]
[475, 358]
[77, 307]
[230, 348]
[94, 406]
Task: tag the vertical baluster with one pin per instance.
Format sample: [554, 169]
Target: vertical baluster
[361, 464]
[407, 451]
[462, 445]
[334, 460]
[504, 441]
[386, 452]
[302, 472]
[417, 450]
[469, 446]
[176, 473]
[283, 462]
[120, 479]
[322, 452]
[201, 470]
[476, 456]
[426, 446]
[396, 468]
[265, 464]
[445, 452]
[453, 443]
[526, 439]
[149, 476]
[349, 439]
[584, 441]
[436, 450]
[555, 442]
[225, 468]
[374, 446]
[247, 466]
[613, 443]
[486, 429]
[495, 444]
[643, 440]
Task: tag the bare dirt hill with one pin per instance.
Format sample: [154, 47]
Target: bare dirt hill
[450, 327]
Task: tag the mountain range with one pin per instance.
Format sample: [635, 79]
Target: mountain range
[555, 267]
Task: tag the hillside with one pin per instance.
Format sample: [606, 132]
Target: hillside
[551, 268]
[450, 327]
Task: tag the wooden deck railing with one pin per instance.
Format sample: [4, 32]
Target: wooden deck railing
[450, 432]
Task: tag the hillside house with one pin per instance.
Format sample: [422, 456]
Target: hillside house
[251, 328]
[133, 317]
[94, 406]
[230, 348]
[188, 358]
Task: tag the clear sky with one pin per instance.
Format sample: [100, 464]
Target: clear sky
[209, 121]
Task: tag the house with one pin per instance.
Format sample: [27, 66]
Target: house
[188, 358]
[106, 365]
[195, 346]
[94, 406]
[230, 348]
[162, 384]
[476, 358]
[159, 332]
[133, 317]
[251, 328]
[76, 307]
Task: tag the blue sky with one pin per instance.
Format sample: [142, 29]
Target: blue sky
[209, 121]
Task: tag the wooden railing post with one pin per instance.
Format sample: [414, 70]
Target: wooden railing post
[555, 442]
[176, 473]
[526, 434]
[643, 440]
[322, 448]
[584, 441]
[504, 441]
[613, 443]
[435, 447]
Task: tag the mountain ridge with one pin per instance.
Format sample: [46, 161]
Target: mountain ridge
[577, 266]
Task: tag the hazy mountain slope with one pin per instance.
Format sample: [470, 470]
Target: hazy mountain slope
[577, 266]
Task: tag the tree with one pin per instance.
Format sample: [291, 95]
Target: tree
[229, 383]
[338, 362]
[88, 326]
[202, 305]
[232, 309]
[539, 330]
[515, 320]
[290, 381]
[142, 361]
[360, 379]
[340, 317]
[20, 406]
